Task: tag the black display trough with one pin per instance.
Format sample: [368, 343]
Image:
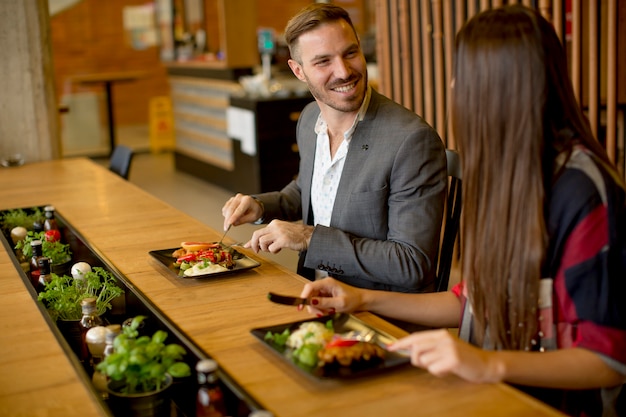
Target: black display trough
[134, 303]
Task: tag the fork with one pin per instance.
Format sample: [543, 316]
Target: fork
[359, 335]
[224, 235]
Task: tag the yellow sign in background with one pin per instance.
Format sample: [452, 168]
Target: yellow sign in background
[161, 124]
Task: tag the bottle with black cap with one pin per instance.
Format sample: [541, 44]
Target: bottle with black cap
[44, 273]
[90, 319]
[50, 222]
[210, 398]
[37, 250]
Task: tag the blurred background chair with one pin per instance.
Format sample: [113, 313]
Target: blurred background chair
[120, 161]
[451, 221]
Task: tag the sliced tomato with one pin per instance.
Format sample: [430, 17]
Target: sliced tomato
[187, 258]
[341, 343]
[206, 254]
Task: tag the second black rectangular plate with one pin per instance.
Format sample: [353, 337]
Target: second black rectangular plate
[342, 323]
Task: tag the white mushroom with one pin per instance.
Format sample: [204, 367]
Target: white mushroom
[80, 269]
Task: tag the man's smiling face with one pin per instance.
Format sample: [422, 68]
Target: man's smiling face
[329, 59]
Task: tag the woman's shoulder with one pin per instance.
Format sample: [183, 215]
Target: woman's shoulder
[585, 189]
[583, 178]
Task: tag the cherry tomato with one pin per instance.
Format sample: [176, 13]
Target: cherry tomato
[52, 235]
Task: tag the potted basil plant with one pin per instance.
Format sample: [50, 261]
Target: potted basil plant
[141, 369]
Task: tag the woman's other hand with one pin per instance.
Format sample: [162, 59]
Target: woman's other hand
[442, 353]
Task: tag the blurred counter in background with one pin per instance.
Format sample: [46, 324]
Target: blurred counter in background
[234, 129]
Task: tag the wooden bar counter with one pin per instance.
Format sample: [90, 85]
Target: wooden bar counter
[124, 223]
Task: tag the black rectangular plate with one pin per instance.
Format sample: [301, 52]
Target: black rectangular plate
[341, 323]
[164, 256]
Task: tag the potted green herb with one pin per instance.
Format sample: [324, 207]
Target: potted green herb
[141, 369]
[63, 294]
[58, 252]
[20, 218]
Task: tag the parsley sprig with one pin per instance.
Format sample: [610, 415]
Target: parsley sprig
[20, 217]
[58, 252]
[63, 294]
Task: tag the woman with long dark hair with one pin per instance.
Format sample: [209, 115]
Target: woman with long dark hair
[543, 233]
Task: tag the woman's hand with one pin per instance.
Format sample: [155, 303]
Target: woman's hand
[329, 296]
[441, 353]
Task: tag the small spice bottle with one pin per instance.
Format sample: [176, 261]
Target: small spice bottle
[50, 222]
[37, 226]
[44, 273]
[210, 398]
[99, 380]
[90, 319]
[37, 250]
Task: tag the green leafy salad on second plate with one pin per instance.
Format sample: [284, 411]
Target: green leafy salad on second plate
[315, 344]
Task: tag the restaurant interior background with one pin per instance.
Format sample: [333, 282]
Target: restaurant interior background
[410, 44]
[54, 101]
[113, 36]
[48, 66]
[194, 55]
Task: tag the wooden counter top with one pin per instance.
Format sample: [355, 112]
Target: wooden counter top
[124, 223]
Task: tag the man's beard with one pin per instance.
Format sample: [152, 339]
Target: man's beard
[325, 96]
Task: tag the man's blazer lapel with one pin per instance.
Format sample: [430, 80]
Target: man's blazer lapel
[355, 167]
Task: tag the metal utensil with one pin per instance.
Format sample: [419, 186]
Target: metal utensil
[360, 335]
[286, 299]
[224, 235]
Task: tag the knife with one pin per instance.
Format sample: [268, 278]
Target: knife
[286, 299]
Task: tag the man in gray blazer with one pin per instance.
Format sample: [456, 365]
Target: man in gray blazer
[372, 182]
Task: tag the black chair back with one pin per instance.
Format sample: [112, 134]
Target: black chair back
[451, 221]
[121, 159]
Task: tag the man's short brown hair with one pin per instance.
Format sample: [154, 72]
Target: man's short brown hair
[310, 18]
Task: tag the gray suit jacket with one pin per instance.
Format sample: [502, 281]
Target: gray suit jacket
[386, 221]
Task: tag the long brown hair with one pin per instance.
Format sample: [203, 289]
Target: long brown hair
[513, 111]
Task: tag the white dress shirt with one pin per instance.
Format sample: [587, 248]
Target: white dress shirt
[327, 171]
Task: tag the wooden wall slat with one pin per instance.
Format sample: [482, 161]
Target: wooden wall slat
[611, 82]
[449, 47]
[416, 47]
[383, 46]
[440, 73]
[576, 45]
[545, 8]
[471, 9]
[460, 14]
[594, 64]
[396, 57]
[429, 94]
[557, 18]
[431, 35]
[404, 28]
